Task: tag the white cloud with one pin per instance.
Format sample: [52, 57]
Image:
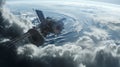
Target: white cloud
[83, 52]
[89, 57]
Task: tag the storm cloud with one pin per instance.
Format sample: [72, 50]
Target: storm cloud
[92, 49]
[10, 26]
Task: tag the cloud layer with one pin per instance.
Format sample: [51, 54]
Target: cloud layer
[94, 44]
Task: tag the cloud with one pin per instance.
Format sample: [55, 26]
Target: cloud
[111, 1]
[82, 53]
[2, 2]
[73, 56]
[10, 26]
[94, 48]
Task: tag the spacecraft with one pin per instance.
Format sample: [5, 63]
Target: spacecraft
[37, 34]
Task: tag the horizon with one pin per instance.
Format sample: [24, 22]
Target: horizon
[105, 1]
